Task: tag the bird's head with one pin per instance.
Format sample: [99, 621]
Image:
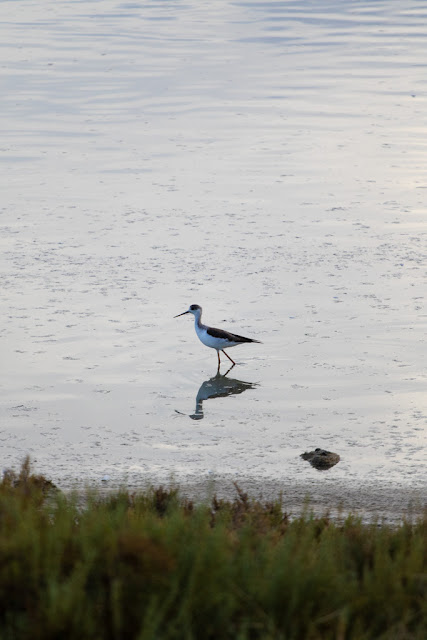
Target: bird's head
[195, 309]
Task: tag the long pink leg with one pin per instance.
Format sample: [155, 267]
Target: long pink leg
[227, 356]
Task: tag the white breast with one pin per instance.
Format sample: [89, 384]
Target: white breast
[210, 341]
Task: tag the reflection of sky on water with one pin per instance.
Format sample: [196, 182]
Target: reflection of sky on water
[264, 160]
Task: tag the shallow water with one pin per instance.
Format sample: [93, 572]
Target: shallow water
[265, 160]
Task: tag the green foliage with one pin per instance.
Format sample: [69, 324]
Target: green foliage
[154, 566]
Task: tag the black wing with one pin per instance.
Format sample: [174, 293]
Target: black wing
[226, 335]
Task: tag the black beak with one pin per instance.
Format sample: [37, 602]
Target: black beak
[181, 314]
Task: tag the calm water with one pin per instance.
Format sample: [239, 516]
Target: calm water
[266, 160]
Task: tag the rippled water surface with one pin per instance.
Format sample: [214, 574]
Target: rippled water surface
[266, 160]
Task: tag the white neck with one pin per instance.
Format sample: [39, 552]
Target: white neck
[198, 318]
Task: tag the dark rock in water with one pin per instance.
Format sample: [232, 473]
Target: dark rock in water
[321, 459]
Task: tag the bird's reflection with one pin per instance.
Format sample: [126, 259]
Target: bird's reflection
[218, 387]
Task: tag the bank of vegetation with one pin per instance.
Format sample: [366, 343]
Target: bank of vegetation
[152, 565]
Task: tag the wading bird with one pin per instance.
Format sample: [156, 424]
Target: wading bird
[214, 338]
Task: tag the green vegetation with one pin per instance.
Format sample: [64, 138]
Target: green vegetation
[153, 565]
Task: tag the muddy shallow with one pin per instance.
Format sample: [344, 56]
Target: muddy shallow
[263, 160]
[384, 503]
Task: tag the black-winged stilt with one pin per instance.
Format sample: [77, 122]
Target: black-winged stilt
[214, 338]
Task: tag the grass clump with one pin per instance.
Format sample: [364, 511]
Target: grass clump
[152, 565]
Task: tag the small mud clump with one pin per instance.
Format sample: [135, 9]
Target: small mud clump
[321, 459]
